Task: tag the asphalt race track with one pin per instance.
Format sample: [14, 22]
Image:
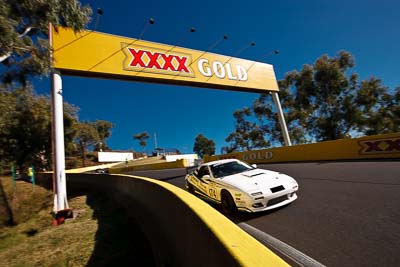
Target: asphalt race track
[347, 213]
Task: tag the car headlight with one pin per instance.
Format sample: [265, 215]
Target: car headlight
[257, 195]
[294, 184]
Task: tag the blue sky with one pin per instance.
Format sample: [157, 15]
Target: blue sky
[301, 30]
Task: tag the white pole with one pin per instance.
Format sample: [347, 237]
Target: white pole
[281, 118]
[60, 199]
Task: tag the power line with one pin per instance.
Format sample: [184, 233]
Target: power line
[150, 22]
[99, 14]
[235, 55]
[146, 26]
[224, 37]
[273, 52]
[190, 30]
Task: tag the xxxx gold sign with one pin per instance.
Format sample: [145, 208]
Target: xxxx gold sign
[381, 146]
[146, 59]
[95, 54]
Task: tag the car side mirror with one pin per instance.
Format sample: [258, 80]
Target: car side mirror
[254, 165]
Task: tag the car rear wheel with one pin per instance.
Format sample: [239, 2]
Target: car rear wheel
[227, 202]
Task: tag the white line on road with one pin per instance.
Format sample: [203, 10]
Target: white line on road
[290, 252]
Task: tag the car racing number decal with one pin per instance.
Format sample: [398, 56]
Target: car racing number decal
[212, 190]
[207, 188]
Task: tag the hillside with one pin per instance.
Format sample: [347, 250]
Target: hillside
[99, 234]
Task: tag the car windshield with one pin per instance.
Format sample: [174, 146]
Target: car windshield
[229, 168]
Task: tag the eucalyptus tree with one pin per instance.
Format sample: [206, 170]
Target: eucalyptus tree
[142, 137]
[25, 126]
[247, 135]
[323, 101]
[25, 134]
[86, 135]
[104, 131]
[380, 112]
[24, 25]
[203, 146]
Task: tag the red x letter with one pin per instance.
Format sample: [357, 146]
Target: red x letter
[168, 62]
[153, 60]
[393, 145]
[373, 146]
[137, 57]
[182, 64]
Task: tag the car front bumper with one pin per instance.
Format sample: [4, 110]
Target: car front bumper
[271, 202]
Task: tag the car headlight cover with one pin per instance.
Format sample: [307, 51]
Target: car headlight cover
[294, 184]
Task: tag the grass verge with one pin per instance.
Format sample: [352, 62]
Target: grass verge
[99, 234]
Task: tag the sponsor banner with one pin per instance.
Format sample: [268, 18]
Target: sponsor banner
[369, 147]
[90, 53]
[380, 146]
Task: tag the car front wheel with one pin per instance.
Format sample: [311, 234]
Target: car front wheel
[227, 202]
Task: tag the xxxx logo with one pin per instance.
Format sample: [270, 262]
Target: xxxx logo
[380, 146]
[147, 59]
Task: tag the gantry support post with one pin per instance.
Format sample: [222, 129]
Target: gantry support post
[281, 118]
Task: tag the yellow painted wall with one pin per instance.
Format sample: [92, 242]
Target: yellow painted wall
[182, 229]
[182, 163]
[369, 147]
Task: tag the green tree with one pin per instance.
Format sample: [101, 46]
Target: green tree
[8, 124]
[104, 131]
[25, 134]
[247, 135]
[390, 111]
[25, 127]
[381, 111]
[86, 135]
[24, 47]
[142, 137]
[204, 146]
[323, 101]
[323, 98]
[70, 119]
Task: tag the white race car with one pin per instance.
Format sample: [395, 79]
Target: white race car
[238, 186]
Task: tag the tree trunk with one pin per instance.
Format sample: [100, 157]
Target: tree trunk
[83, 150]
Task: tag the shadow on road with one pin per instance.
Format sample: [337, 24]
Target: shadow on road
[241, 216]
[245, 216]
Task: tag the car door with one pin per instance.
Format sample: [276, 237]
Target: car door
[214, 186]
[206, 183]
[203, 175]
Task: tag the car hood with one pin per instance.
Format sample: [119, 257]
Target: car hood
[257, 180]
